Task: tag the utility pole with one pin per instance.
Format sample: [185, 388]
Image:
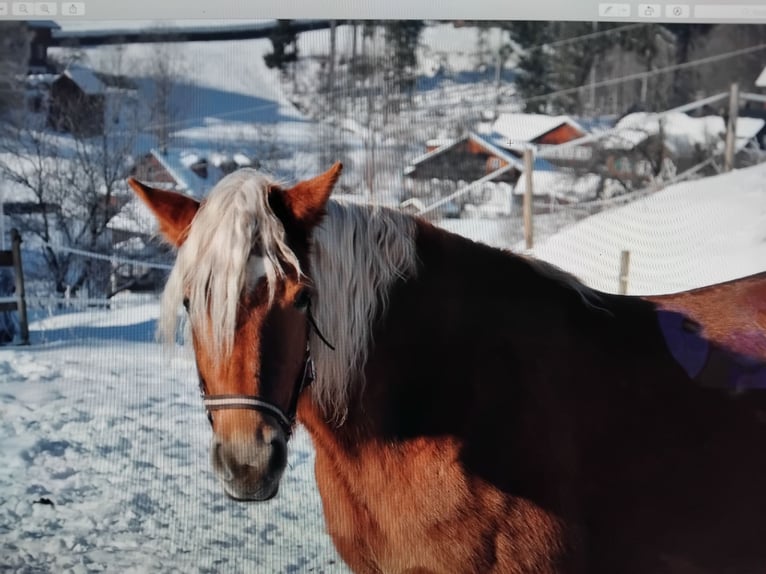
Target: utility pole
[528, 171]
[731, 127]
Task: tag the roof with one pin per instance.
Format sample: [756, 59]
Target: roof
[748, 128]
[682, 132]
[519, 127]
[179, 162]
[760, 81]
[482, 141]
[85, 79]
[44, 24]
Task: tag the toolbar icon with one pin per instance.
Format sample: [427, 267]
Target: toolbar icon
[73, 9]
[25, 9]
[677, 11]
[46, 8]
[649, 11]
[610, 10]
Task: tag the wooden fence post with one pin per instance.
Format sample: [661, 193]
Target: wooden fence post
[731, 128]
[529, 166]
[18, 271]
[12, 259]
[624, 268]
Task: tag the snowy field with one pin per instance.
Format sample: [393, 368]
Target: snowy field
[689, 235]
[99, 420]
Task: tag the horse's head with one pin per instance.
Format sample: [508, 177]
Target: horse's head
[242, 274]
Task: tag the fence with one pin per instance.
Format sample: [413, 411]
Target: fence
[12, 259]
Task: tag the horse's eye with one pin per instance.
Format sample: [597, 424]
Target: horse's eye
[302, 300]
[186, 303]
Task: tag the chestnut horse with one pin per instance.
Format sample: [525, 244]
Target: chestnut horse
[472, 410]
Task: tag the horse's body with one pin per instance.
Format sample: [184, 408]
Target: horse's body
[504, 417]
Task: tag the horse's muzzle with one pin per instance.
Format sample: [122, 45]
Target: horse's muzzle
[250, 469]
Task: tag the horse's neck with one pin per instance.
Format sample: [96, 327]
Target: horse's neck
[473, 323]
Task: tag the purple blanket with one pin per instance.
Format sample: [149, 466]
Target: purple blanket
[705, 361]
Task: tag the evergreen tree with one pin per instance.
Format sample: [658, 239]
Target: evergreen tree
[535, 71]
[685, 80]
[402, 40]
[284, 42]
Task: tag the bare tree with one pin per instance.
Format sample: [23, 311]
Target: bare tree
[164, 69]
[73, 185]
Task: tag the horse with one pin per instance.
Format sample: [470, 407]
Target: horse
[471, 409]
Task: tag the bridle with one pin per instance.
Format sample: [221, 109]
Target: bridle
[285, 418]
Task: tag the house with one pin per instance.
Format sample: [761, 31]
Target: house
[642, 146]
[539, 129]
[77, 102]
[457, 163]
[194, 172]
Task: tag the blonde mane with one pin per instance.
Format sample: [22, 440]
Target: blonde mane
[357, 253]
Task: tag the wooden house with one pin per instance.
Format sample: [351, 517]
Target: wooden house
[194, 172]
[77, 102]
[455, 164]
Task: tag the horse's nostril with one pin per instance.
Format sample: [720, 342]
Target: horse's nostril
[267, 434]
[221, 461]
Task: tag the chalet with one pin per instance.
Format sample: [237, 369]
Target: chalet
[537, 129]
[455, 164]
[77, 102]
[643, 146]
[515, 131]
[192, 171]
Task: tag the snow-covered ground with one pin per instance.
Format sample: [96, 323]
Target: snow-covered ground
[689, 235]
[100, 420]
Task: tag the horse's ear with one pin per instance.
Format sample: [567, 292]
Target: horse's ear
[174, 211]
[306, 200]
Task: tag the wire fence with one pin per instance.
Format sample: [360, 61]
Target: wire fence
[103, 257]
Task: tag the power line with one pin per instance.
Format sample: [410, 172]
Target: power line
[650, 73]
[102, 257]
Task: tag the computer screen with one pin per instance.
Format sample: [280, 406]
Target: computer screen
[622, 142]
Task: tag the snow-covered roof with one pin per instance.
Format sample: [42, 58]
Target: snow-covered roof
[748, 128]
[760, 81]
[682, 132]
[179, 162]
[482, 141]
[520, 127]
[86, 79]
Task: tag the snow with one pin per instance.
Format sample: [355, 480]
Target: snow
[521, 128]
[689, 235]
[446, 47]
[760, 81]
[223, 93]
[559, 184]
[86, 79]
[100, 420]
[682, 132]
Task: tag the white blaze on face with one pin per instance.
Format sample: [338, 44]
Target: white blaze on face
[256, 268]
